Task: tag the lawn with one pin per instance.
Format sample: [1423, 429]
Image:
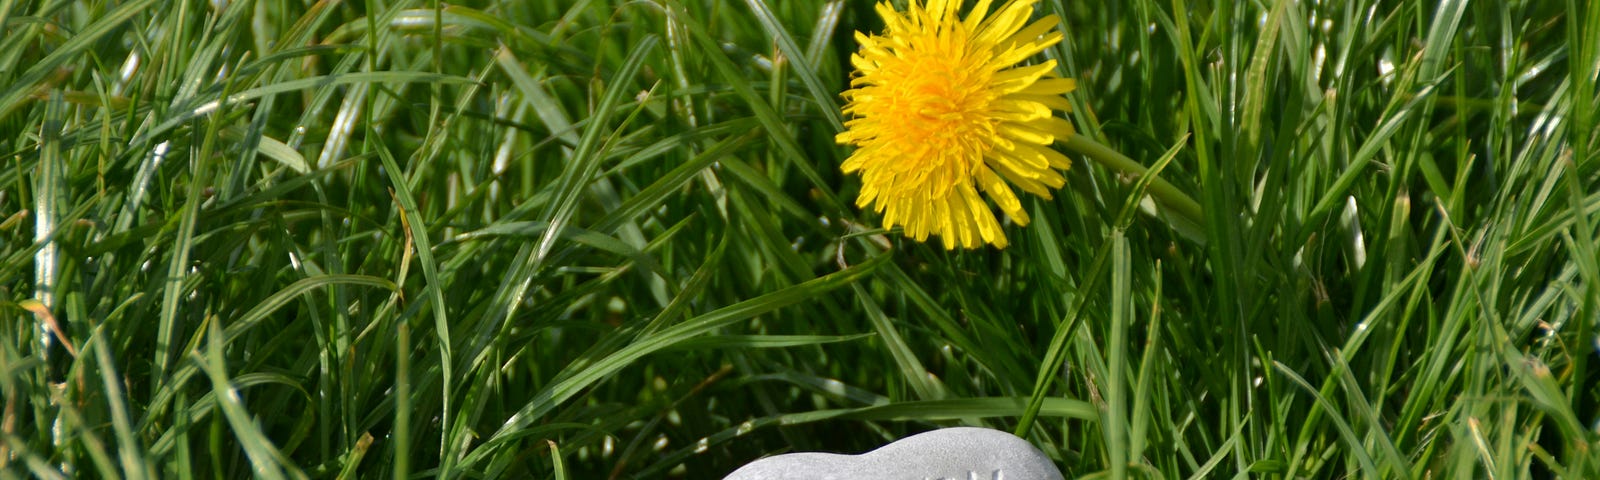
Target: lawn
[582, 239]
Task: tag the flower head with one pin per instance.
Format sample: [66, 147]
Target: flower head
[942, 108]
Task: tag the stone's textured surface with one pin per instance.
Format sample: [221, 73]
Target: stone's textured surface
[961, 453]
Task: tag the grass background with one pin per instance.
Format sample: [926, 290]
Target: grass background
[590, 239]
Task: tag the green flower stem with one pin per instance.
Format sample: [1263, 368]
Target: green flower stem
[1164, 192]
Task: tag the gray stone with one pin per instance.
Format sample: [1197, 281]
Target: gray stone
[960, 453]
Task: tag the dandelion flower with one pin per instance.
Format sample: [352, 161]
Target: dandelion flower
[941, 108]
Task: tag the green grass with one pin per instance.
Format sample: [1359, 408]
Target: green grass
[589, 239]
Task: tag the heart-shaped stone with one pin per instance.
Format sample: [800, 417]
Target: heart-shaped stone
[960, 453]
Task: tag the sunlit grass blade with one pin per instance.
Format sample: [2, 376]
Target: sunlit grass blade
[800, 61]
[263, 458]
[924, 383]
[555, 394]
[24, 84]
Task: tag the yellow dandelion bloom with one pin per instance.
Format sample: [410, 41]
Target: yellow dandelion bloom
[941, 108]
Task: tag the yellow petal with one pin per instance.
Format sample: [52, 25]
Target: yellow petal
[1038, 185]
[1054, 102]
[1054, 126]
[1021, 110]
[1052, 86]
[984, 220]
[943, 10]
[1039, 28]
[1005, 22]
[1056, 159]
[979, 12]
[1002, 195]
[1025, 132]
[1022, 79]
